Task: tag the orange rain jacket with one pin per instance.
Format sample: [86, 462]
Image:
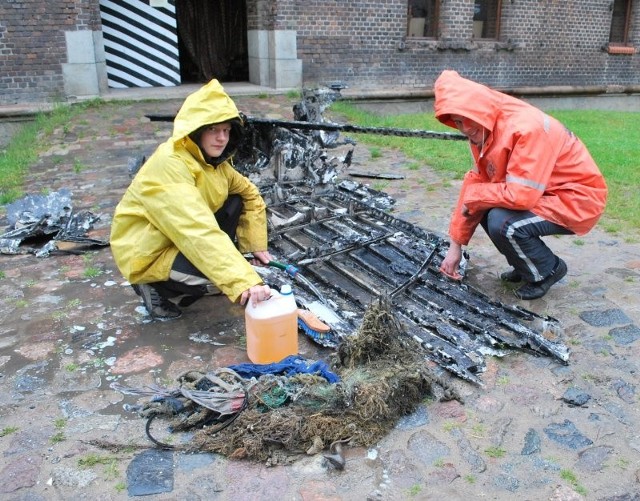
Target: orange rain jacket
[529, 161]
[169, 207]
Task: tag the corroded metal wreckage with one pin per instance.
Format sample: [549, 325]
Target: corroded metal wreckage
[47, 224]
[349, 250]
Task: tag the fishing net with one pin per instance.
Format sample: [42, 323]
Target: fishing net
[383, 377]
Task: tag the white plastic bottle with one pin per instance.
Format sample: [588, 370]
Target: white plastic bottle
[272, 327]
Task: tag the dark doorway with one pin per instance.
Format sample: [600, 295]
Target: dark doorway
[212, 40]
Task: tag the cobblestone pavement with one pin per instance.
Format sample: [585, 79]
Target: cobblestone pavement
[70, 326]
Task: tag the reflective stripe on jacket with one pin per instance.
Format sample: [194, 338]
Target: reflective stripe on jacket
[529, 161]
[169, 207]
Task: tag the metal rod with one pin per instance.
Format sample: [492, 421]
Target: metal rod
[417, 274]
[329, 126]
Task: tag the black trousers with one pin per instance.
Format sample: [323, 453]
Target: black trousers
[188, 281]
[516, 234]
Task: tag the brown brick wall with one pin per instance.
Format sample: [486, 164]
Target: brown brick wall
[32, 45]
[542, 42]
[363, 43]
[261, 14]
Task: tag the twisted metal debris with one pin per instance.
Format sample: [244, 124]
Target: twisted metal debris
[45, 224]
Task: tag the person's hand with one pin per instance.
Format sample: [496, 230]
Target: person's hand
[451, 261]
[261, 258]
[255, 294]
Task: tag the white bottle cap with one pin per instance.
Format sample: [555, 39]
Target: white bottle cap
[286, 290]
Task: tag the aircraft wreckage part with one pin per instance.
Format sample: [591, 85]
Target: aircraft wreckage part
[356, 253]
[43, 224]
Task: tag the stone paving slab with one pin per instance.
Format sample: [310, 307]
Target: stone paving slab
[70, 326]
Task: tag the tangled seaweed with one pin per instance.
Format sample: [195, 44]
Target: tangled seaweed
[383, 377]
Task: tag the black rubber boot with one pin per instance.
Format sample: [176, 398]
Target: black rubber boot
[535, 290]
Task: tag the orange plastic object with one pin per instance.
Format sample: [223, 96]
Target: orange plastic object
[312, 321]
[272, 328]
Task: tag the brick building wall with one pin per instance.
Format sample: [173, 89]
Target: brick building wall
[363, 43]
[32, 45]
[261, 14]
[541, 43]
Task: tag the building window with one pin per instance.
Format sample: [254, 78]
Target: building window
[422, 19]
[486, 18]
[620, 22]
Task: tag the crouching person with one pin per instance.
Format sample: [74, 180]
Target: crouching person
[531, 178]
[181, 229]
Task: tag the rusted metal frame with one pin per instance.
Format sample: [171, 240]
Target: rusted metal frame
[322, 221]
[444, 353]
[396, 247]
[417, 295]
[399, 224]
[376, 250]
[356, 279]
[341, 225]
[301, 226]
[537, 342]
[434, 346]
[372, 270]
[322, 276]
[492, 338]
[530, 338]
[454, 359]
[419, 301]
[345, 250]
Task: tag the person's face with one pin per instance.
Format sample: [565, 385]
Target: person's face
[214, 139]
[473, 130]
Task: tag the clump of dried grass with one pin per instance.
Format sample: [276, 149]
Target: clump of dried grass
[383, 377]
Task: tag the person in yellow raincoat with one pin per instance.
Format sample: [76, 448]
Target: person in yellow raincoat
[184, 223]
[531, 177]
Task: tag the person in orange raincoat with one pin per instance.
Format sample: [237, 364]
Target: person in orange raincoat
[182, 226]
[532, 177]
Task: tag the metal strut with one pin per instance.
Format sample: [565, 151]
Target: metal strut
[333, 127]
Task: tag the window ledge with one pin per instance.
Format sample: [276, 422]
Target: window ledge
[617, 49]
[454, 46]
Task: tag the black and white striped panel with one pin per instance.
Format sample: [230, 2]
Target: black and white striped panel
[141, 43]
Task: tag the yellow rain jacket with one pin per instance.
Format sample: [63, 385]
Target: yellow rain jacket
[169, 207]
[529, 161]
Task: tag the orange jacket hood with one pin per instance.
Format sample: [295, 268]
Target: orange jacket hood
[458, 96]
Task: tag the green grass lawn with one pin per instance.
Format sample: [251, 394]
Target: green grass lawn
[612, 137]
[28, 143]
